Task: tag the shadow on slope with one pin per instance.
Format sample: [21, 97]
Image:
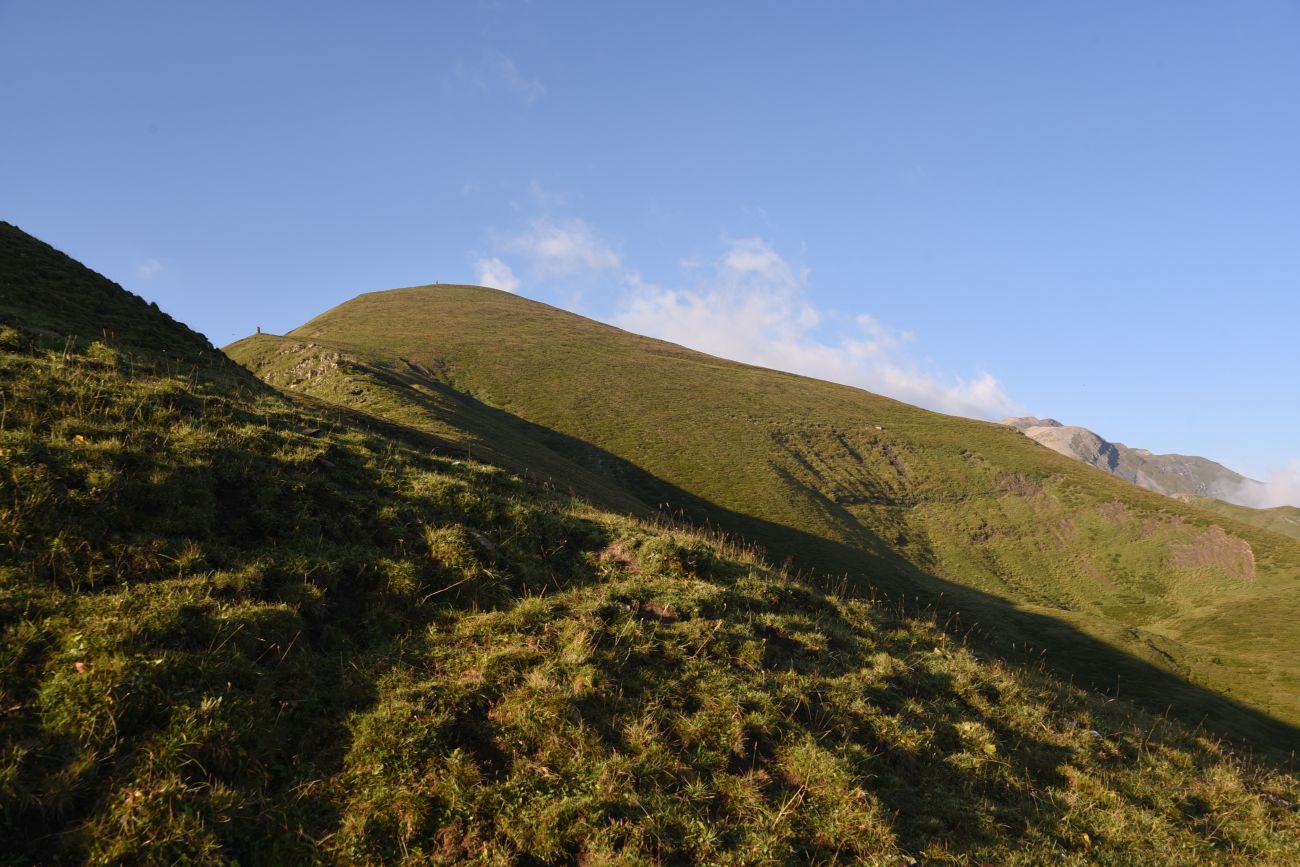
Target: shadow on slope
[237, 631]
[977, 504]
[874, 569]
[411, 394]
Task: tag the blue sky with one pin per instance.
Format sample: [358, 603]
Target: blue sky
[1088, 211]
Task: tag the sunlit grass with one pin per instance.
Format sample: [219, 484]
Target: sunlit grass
[969, 516]
[236, 628]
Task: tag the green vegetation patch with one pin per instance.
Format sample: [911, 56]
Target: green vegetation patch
[240, 628]
[235, 630]
[1117, 584]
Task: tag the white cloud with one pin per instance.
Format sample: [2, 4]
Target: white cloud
[497, 274]
[748, 304]
[148, 268]
[530, 89]
[1280, 488]
[558, 248]
[751, 257]
[754, 308]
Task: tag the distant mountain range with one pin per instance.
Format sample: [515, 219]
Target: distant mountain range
[1171, 475]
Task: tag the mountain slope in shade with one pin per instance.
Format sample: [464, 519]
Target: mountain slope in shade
[1184, 608]
[242, 626]
[1164, 474]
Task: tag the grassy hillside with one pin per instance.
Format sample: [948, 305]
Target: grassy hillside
[1123, 587]
[238, 626]
[409, 394]
[1280, 519]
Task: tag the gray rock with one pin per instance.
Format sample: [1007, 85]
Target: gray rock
[1166, 474]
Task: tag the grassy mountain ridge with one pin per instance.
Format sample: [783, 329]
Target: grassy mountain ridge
[1028, 542]
[53, 296]
[237, 626]
[410, 395]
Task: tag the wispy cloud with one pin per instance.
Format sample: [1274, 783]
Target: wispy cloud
[149, 268]
[748, 303]
[546, 199]
[497, 274]
[505, 71]
[556, 248]
[753, 306]
[495, 71]
[1279, 488]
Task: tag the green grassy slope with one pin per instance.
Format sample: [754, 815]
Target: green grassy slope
[1180, 605]
[1279, 519]
[411, 395]
[53, 297]
[239, 626]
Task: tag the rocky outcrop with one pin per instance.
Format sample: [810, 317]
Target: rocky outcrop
[1165, 474]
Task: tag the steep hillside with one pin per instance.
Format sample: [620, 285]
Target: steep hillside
[241, 627]
[1170, 603]
[54, 297]
[1164, 474]
[410, 394]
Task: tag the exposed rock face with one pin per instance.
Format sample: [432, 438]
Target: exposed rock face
[1165, 474]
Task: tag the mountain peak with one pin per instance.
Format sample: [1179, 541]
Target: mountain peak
[1025, 422]
[1165, 474]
